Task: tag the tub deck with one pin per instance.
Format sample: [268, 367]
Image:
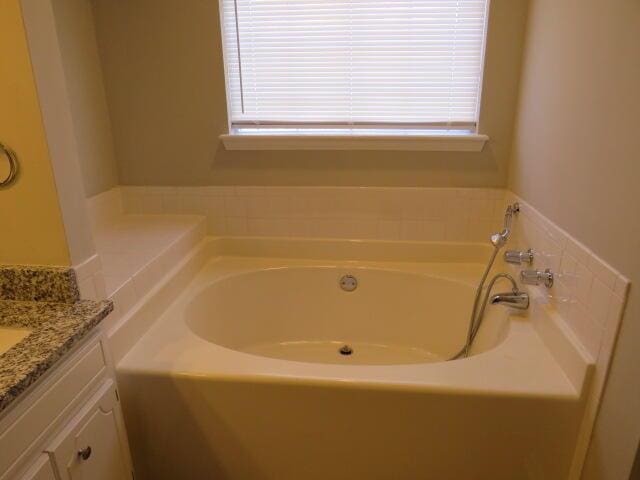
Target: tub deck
[520, 366]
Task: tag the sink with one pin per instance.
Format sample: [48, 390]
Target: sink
[10, 336]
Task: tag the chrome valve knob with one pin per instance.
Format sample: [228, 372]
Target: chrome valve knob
[536, 277]
[518, 257]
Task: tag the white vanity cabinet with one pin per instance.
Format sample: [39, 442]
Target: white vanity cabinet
[42, 469]
[89, 447]
[70, 426]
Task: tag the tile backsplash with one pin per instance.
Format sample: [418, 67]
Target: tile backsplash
[588, 294]
[384, 213]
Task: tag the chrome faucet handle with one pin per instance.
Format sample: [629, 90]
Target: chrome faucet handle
[537, 277]
[518, 257]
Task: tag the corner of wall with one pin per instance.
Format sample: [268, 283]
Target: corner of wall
[49, 75]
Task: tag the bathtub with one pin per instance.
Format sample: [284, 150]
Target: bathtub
[293, 363]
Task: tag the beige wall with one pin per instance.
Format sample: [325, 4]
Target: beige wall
[87, 100]
[576, 158]
[162, 62]
[32, 228]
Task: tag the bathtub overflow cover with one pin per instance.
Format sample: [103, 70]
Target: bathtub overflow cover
[348, 283]
[346, 350]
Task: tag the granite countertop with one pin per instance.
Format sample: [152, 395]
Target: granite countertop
[55, 329]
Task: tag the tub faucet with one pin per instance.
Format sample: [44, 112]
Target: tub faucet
[513, 299]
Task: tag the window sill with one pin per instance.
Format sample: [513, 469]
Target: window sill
[454, 142]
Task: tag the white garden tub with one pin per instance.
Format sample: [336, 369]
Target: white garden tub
[340, 314]
[244, 376]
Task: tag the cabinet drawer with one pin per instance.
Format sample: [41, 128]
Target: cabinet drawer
[49, 402]
[40, 470]
[91, 446]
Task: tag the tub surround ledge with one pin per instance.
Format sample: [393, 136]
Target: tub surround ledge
[55, 328]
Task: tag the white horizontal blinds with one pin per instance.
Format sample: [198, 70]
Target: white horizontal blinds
[351, 62]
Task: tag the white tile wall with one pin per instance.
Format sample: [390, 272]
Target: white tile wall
[140, 250]
[133, 251]
[588, 293]
[430, 214]
[105, 208]
[90, 279]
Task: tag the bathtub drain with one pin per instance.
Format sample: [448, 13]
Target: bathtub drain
[345, 350]
[348, 283]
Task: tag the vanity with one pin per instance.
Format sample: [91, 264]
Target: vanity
[60, 416]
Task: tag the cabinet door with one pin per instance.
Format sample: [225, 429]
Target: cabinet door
[91, 447]
[41, 470]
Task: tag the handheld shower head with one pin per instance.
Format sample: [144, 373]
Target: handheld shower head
[498, 239]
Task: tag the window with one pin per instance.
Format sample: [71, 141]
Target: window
[369, 67]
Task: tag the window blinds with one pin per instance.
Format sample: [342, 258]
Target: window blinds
[358, 62]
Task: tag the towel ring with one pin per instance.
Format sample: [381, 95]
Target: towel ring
[13, 166]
